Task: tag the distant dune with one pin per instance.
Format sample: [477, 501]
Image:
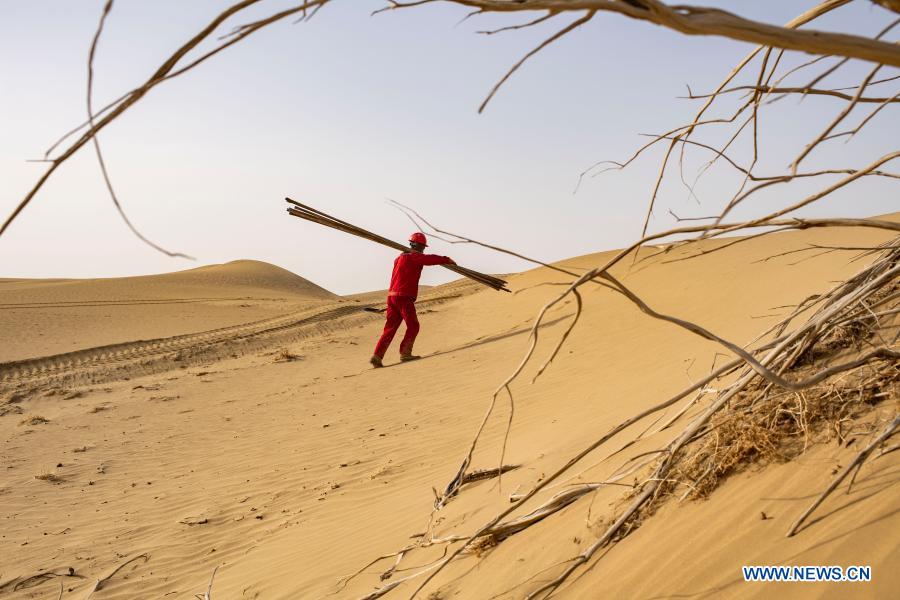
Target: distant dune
[239, 277]
[39, 317]
[247, 273]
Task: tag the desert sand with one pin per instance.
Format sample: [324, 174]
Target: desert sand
[226, 417]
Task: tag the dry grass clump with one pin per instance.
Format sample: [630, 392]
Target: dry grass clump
[765, 424]
[481, 545]
[48, 476]
[778, 427]
[285, 355]
[842, 337]
[851, 334]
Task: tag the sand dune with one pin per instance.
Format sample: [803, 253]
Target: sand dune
[268, 448]
[248, 273]
[45, 317]
[240, 277]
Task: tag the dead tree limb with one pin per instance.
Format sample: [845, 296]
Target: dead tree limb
[857, 462]
[96, 142]
[104, 580]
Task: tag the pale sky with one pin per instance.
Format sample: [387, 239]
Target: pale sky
[347, 110]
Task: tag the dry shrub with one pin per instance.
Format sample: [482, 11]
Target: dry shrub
[285, 355]
[765, 425]
[48, 476]
[851, 334]
[481, 545]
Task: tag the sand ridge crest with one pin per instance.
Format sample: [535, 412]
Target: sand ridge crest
[250, 273]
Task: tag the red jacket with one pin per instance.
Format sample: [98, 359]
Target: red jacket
[408, 268]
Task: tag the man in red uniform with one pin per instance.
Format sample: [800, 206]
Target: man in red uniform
[401, 301]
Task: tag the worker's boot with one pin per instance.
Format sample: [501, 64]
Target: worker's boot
[375, 361]
[408, 357]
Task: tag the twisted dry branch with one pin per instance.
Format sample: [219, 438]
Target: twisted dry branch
[855, 464]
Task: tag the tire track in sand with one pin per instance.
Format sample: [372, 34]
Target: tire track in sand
[126, 360]
[123, 360]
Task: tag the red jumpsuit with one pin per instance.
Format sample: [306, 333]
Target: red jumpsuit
[401, 301]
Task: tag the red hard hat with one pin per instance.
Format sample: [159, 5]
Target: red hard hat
[419, 238]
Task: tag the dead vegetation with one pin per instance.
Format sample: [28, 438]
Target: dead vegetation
[482, 474]
[49, 476]
[101, 583]
[285, 355]
[24, 583]
[763, 426]
[794, 386]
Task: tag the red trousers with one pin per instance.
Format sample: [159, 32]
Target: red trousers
[399, 309]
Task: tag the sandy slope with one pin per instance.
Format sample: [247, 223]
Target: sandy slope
[291, 474]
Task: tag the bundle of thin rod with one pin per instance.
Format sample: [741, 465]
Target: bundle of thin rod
[309, 213]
